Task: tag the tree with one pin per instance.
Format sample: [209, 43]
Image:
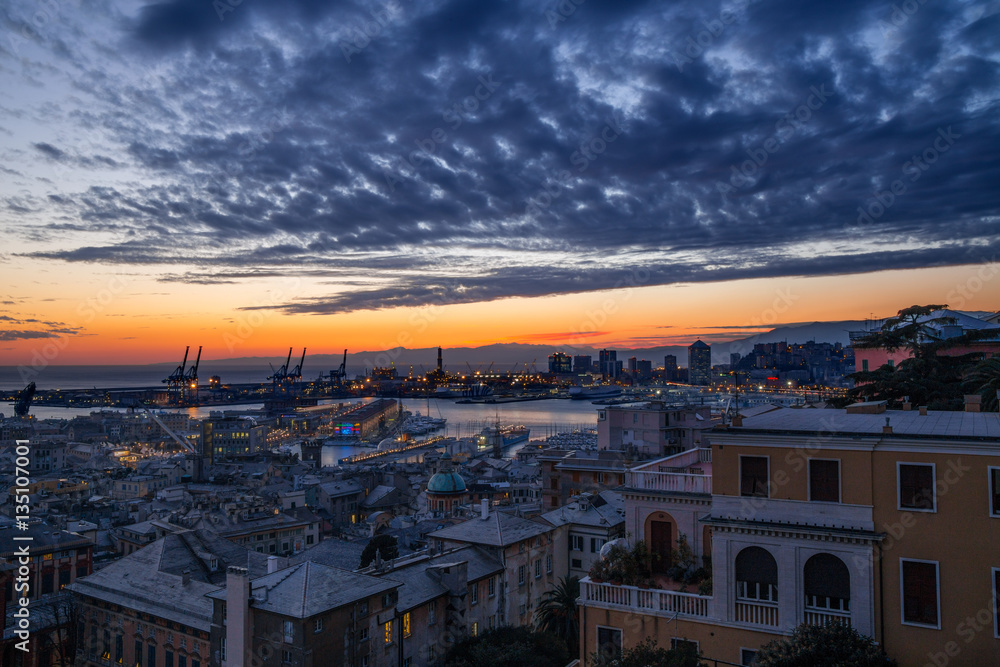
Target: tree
[832, 645]
[383, 544]
[926, 377]
[984, 379]
[508, 646]
[648, 654]
[557, 613]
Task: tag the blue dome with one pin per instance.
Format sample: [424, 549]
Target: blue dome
[447, 480]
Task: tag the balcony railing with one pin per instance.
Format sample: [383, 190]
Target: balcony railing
[757, 612]
[826, 610]
[643, 600]
[669, 481]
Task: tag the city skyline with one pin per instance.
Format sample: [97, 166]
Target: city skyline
[370, 175]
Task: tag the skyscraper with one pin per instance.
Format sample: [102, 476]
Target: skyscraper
[609, 363]
[699, 363]
[670, 368]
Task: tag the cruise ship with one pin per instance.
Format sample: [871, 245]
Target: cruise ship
[594, 392]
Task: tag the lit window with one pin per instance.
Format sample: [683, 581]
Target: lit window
[388, 632]
[406, 624]
[475, 629]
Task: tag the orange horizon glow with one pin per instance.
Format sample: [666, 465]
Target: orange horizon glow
[138, 322]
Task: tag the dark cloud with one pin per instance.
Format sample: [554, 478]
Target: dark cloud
[449, 152]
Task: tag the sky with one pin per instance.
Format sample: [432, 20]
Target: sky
[250, 175]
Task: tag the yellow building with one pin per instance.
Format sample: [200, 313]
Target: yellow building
[885, 520]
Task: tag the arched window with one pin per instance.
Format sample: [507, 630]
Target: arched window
[756, 575]
[827, 583]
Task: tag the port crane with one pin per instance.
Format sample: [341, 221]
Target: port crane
[182, 376]
[191, 376]
[340, 374]
[24, 400]
[283, 375]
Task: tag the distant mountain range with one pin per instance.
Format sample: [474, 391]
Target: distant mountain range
[504, 356]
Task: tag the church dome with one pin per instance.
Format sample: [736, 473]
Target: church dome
[446, 480]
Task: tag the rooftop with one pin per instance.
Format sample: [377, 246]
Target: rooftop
[499, 529]
[908, 423]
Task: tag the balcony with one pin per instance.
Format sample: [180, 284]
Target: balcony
[826, 611]
[687, 472]
[643, 600]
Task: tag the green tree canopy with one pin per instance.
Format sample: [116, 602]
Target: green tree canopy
[509, 646]
[832, 645]
[385, 544]
[557, 612]
[926, 377]
[648, 654]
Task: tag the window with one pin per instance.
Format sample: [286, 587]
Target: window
[520, 575]
[286, 655]
[919, 592]
[138, 653]
[474, 596]
[609, 643]
[916, 486]
[864, 365]
[754, 476]
[756, 575]
[824, 480]
[182, 661]
[595, 545]
[520, 548]
[677, 642]
[996, 602]
[475, 629]
[548, 564]
[318, 625]
[388, 632]
[576, 564]
[521, 610]
[289, 631]
[538, 569]
[827, 583]
[576, 542]
[994, 491]
[748, 656]
[168, 659]
[406, 625]
[407, 662]
[119, 649]
[363, 635]
[151, 655]
[492, 587]
[363, 608]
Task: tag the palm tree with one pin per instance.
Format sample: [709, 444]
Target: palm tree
[557, 612]
[984, 379]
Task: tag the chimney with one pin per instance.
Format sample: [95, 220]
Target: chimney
[906, 403]
[237, 616]
[272, 564]
[484, 509]
[738, 420]
[887, 429]
[973, 403]
[923, 410]
[185, 577]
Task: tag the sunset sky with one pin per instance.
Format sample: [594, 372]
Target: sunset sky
[254, 176]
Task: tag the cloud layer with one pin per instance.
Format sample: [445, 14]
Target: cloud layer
[406, 153]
